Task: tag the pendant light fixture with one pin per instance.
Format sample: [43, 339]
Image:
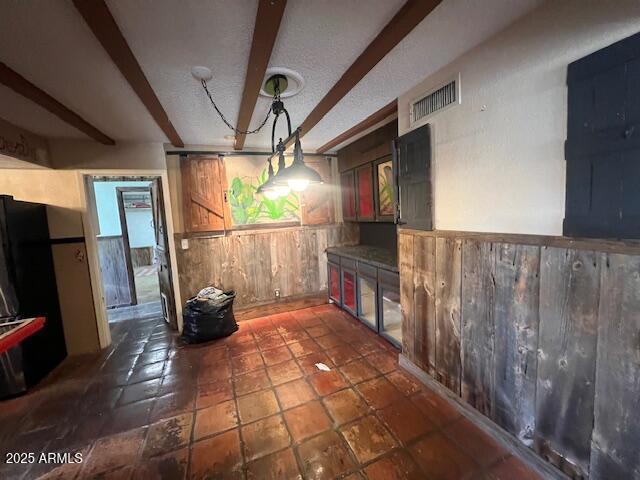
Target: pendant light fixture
[298, 176]
[269, 188]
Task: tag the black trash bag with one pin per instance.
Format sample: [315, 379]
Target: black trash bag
[205, 319]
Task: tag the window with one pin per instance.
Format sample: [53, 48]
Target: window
[603, 143]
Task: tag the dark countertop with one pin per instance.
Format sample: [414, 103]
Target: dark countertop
[380, 257]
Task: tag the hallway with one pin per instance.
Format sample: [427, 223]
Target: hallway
[250, 406]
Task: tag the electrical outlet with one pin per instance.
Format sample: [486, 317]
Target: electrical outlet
[277, 292]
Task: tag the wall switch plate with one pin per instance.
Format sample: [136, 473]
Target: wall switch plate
[184, 244]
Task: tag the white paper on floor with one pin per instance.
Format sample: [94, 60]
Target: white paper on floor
[323, 367]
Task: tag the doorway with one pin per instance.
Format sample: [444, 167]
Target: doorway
[132, 250]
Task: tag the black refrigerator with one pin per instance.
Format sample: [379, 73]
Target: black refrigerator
[28, 289]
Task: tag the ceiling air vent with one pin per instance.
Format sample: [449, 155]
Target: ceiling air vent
[437, 100]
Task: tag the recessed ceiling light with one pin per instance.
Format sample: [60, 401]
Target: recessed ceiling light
[201, 73]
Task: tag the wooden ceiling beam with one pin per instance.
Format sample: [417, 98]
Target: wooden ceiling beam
[368, 122]
[101, 22]
[405, 20]
[265, 31]
[16, 82]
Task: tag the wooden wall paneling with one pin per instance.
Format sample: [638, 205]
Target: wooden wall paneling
[477, 325]
[142, 256]
[516, 318]
[407, 307]
[569, 297]
[424, 285]
[321, 247]
[448, 291]
[262, 274]
[227, 263]
[310, 281]
[115, 275]
[257, 263]
[614, 449]
[284, 257]
[243, 267]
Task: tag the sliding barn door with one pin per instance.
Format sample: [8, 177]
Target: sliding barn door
[203, 185]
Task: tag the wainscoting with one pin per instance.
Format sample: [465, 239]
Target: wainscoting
[115, 274]
[257, 263]
[539, 334]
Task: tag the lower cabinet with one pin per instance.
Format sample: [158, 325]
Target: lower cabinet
[349, 300]
[369, 293]
[368, 299]
[390, 320]
[333, 275]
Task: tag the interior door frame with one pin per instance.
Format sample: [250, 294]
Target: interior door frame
[90, 225]
[124, 228]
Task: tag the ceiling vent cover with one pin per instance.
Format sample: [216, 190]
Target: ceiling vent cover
[438, 99]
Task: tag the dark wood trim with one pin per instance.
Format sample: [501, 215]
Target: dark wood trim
[265, 32]
[376, 192]
[600, 245]
[104, 27]
[125, 237]
[280, 306]
[352, 174]
[403, 22]
[265, 226]
[369, 167]
[239, 154]
[16, 82]
[368, 122]
[65, 240]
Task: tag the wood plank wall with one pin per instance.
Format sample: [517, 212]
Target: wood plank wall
[115, 276]
[543, 340]
[256, 263]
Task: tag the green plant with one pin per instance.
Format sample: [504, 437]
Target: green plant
[247, 207]
[385, 189]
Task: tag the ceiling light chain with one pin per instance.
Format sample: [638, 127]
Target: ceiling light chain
[226, 122]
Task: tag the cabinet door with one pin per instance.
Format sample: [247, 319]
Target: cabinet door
[414, 179]
[384, 189]
[368, 301]
[349, 291]
[334, 283]
[347, 185]
[364, 179]
[390, 323]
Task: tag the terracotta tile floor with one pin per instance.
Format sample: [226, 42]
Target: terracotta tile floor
[252, 406]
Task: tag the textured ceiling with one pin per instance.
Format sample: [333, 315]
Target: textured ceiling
[49, 44]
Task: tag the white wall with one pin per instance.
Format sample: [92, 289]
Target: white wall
[139, 223]
[499, 156]
[140, 227]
